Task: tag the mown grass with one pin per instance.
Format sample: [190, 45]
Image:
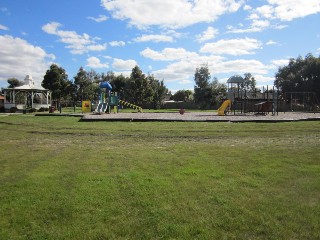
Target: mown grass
[65, 179]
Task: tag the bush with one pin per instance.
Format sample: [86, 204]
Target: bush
[2, 109]
[13, 109]
[43, 109]
[31, 110]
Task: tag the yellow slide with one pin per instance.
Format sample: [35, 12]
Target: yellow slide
[226, 104]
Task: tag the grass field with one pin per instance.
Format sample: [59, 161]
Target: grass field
[65, 179]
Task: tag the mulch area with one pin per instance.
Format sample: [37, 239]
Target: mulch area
[202, 117]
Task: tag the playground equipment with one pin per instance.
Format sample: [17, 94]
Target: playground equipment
[109, 100]
[226, 105]
[242, 101]
[130, 105]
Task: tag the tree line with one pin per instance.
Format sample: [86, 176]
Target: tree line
[300, 75]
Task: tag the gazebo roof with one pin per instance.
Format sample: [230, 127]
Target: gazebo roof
[29, 85]
[235, 79]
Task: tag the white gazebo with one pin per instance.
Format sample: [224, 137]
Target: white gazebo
[27, 96]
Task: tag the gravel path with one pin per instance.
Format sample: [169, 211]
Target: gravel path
[201, 117]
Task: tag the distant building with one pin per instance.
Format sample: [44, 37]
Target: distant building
[1, 101]
[27, 96]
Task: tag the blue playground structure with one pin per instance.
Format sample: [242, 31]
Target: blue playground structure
[110, 100]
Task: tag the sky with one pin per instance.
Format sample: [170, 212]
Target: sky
[166, 38]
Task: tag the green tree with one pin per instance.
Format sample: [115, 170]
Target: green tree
[86, 85]
[14, 82]
[249, 82]
[218, 91]
[119, 83]
[300, 75]
[182, 95]
[159, 91]
[202, 89]
[56, 80]
[139, 88]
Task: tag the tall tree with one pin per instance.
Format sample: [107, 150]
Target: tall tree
[119, 84]
[249, 82]
[159, 91]
[218, 91]
[139, 88]
[14, 82]
[87, 84]
[56, 80]
[202, 89]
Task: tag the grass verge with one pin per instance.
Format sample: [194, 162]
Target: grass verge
[65, 179]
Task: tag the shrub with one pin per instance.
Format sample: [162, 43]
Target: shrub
[13, 109]
[2, 109]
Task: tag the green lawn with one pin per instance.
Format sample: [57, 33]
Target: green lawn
[65, 179]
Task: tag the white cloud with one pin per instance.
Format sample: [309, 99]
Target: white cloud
[271, 42]
[168, 13]
[284, 10]
[123, 65]
[19, 58]
[2, 27]
[260, 24]
[288, 10]
[255, 26]
[234, 47]
[280, 26]
[184, 69]
[117, 43]
[266, 11]
[280, 62]
[185, 82]
[209, 34]
[95, 62]
[247, 7]
[101, 18]
[168, 54]
[243, 66]
[79, 44]
[153, 38]
[263, 79]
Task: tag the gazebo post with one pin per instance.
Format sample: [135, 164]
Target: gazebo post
[32, 97]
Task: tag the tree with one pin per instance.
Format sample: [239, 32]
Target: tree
[202, 89]
[119, 83]
[56, 80]
[86, 84]
[182, 95]
[249, 82]
[159, 91]
[218, 91]
[139, 89]
[300, 75]
[13, 82]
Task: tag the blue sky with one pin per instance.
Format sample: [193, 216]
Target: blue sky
[166, 38]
